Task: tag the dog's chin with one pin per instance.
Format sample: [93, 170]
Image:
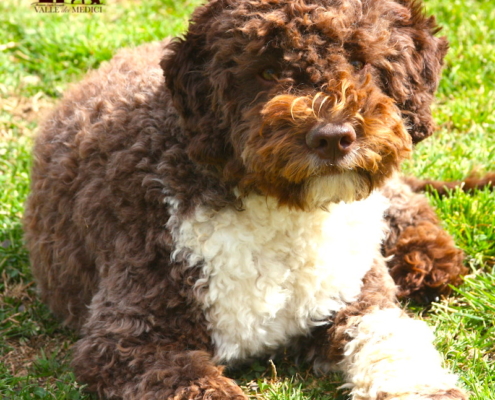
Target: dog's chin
[348, 186]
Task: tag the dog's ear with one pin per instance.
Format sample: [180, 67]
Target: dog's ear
[412, 76]
[185, 66]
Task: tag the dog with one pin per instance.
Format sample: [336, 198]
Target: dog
[218, 197]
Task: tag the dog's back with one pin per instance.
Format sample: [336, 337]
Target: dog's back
[108, 128]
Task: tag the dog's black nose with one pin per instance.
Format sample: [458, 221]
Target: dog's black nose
[331, 141]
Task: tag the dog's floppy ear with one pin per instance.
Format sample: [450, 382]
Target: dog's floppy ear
[185, 66]
[412, 76]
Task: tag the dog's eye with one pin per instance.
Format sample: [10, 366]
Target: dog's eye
[357, 64]
[270, 75]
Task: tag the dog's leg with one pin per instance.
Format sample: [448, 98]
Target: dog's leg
[383, 353]
[135, 346]
[423, 258]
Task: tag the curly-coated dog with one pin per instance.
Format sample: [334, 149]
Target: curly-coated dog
[236, 206]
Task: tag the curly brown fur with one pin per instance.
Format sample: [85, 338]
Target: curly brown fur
[468, 185]
[378, 292]
[162, 209]
[424, 260]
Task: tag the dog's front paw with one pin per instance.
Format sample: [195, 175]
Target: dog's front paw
[451, 394]
[208, 388]
[425, 263]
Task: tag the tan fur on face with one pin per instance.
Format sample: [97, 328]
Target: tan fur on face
[277, 153]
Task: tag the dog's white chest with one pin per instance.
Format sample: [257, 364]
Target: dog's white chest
[271, 274]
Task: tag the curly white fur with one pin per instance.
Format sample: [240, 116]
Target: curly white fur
[271, 273]
[392, 353]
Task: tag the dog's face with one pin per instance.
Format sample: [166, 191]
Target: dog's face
[308, 101]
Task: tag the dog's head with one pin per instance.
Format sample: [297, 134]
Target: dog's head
[308, 101]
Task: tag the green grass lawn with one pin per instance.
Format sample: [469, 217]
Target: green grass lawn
[41, 54]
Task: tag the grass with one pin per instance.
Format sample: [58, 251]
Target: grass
[41, 54]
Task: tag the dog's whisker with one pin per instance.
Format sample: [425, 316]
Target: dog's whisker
[294, 102]
[321, 104]
[315, 98]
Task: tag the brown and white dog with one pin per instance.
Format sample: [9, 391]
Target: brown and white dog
[237, 206]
